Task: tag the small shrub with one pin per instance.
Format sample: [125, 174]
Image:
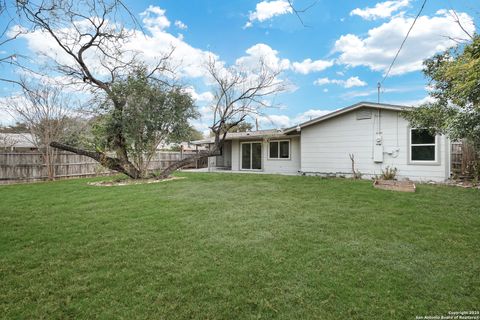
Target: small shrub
[389, 173]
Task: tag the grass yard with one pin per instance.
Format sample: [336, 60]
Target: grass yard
[237, 246]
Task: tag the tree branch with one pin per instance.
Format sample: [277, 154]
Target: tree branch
[106, 161]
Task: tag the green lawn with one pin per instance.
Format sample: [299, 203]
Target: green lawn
[237, 246]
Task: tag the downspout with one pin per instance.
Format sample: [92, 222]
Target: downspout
[299, 129]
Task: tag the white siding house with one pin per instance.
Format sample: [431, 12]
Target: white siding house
[287, 165]
[257, 155]
[326, 147]
[375, 134]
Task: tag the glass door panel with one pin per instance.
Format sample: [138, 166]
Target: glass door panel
[246, 151]
[256, 156]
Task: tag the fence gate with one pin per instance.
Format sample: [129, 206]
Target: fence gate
[456, 159]
[463, 159]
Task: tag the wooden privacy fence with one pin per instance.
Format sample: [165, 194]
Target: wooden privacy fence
[15, 167]
[463, 159]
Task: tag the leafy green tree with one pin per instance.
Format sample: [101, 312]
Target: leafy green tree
[83, 29]
[455, 111]
[194, 134]
[153, 113]
[239, 91]
[455, 78]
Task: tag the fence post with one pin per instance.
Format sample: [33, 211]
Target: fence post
[196, 161]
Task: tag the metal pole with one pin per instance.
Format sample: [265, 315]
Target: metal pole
[378, 92]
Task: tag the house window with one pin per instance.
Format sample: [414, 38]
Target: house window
[423, 145]
[279, 149]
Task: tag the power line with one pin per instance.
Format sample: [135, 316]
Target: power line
[403, 42]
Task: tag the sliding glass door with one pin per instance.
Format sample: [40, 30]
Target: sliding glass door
[251, 155]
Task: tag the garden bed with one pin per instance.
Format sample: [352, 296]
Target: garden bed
[393, 185]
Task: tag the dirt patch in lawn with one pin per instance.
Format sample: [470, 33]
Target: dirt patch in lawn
[128, 182]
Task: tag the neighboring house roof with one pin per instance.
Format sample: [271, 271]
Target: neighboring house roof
[16, 140]
[248, 135]
[186, 146]
[382, 106]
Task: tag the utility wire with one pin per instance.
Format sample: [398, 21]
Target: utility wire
[401, 46]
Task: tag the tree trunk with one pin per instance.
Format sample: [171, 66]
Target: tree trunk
[49, 157]
[119, 143]
[216, 151]
[182, 163]
[123, 166]
[352, 158]
[46, 160]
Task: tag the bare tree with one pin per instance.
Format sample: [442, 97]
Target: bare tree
[298, 12]
[356, 174]
[44, 109]
[7, 35]
[91, 38]
[238, 93]
[456, 18]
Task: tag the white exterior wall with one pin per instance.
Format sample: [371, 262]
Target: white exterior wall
[285, 166]
[235, 155]
[225, 160]
[325, 147]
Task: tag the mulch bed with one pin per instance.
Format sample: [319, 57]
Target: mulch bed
[129, 182]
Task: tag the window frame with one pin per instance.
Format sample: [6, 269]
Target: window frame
[278, 149]
[435, 144]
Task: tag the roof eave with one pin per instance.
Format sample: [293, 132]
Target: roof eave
[243, 137]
